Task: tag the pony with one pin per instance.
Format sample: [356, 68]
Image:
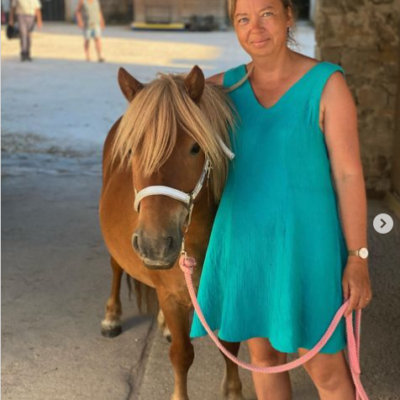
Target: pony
[174, 132]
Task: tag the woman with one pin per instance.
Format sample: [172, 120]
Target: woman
[282, 254]
[26, 11]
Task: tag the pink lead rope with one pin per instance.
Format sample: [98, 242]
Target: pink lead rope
[188, 264]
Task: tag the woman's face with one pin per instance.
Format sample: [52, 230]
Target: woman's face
[261, 26]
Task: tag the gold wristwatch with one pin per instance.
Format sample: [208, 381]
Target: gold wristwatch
[362, 252]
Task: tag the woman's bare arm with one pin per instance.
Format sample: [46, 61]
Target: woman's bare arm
[340, 127]
[341, 135]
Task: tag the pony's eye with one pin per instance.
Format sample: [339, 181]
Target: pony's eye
[195, 149]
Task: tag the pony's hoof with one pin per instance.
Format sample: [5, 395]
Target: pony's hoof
[111, 333]
[167, 333]
[111, 329]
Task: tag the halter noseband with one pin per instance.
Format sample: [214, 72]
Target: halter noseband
[187, 198]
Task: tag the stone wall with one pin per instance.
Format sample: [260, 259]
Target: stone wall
[363, 37]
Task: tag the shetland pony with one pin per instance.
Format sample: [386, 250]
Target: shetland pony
[170, 126]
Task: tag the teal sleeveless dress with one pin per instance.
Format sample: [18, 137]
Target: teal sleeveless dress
[276, 254]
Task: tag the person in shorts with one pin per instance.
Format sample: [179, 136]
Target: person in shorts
[90, 19]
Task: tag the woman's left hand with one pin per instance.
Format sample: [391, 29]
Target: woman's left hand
[356, 284]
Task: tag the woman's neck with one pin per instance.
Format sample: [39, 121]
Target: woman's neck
[274, 66]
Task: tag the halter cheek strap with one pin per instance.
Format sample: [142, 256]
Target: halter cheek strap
[187, 198]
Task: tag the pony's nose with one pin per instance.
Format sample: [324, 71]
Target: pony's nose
[159, 249]
[135, 242]
[169, 243]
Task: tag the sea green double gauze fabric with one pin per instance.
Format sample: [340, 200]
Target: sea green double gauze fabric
[277, 252]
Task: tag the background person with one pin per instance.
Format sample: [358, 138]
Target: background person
[90, 19]
[26, 10]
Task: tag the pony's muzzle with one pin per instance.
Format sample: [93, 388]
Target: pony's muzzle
[156, 252]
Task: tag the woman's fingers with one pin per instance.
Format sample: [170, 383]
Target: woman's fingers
[346, 290]
[365, 299]
[354, 299]
[356, 286]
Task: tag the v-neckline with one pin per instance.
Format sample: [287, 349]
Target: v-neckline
[276, 104]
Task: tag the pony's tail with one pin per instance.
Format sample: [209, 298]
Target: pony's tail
[149, 294]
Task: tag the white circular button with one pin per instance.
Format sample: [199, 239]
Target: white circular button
[383, 223]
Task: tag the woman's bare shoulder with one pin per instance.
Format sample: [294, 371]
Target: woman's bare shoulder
[305, 63]
[217, 79]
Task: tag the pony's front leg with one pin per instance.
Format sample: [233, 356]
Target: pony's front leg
[181, 352]
[231, 387]
[111, 325]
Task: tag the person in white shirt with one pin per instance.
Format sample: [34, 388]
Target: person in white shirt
[26, 11]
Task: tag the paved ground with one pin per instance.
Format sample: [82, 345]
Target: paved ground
[55, 273]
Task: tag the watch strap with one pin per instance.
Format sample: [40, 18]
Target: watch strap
[353, 253]
[362, 252]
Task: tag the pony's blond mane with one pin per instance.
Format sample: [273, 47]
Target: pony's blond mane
[150, 125]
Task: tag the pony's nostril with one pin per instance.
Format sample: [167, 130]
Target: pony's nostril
[170, 242]
[135, 243]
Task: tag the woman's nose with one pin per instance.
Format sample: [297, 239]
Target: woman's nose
[256, 24]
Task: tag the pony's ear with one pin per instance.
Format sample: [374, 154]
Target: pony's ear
[194, 84]
[128, 84]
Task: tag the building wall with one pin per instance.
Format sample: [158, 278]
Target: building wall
[217, 8]
[113, 10]
[363, 37]
[5, 4]
[313, 7]
[117, 10]
[157, 11]
[180, 10]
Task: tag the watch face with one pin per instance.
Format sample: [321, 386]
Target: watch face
[363, 252]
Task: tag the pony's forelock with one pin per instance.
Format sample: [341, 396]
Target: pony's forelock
[150, 126]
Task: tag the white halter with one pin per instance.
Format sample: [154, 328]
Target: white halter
[187, 198]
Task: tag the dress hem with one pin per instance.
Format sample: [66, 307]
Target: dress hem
[278, 348]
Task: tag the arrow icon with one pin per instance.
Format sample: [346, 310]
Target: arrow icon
[383, 223]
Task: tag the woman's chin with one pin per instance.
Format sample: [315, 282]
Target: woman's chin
[262, 51]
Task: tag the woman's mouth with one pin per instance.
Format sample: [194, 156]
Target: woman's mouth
[260, 43]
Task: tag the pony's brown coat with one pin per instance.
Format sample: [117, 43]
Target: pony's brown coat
[145, 147]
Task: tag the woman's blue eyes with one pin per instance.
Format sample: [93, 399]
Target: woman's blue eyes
[266, 13]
